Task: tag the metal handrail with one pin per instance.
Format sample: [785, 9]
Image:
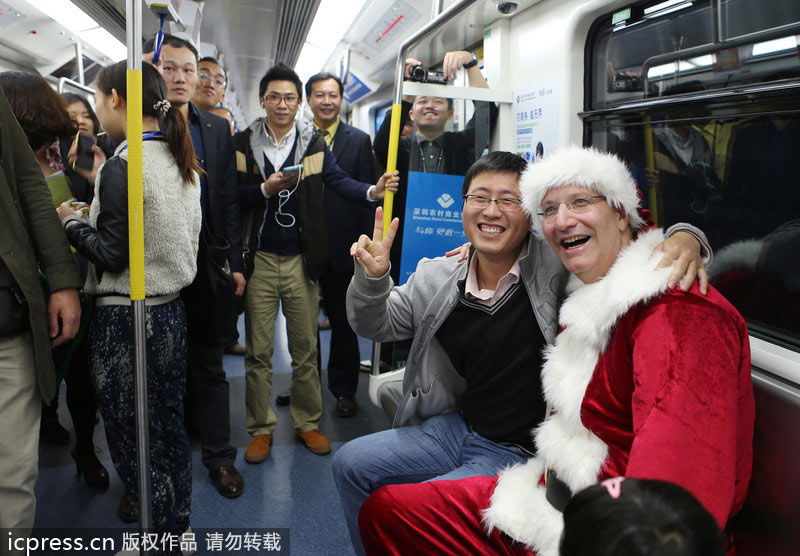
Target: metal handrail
[697, 97]
[79, 61]
[344, 66]
[432, 26]
[394, 133]
[765, 35]
[67, 81]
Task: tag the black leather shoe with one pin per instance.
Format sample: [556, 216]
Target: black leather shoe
[94, 474]
[126, 511]
[284, 398]
[346, 406]
[228, 480]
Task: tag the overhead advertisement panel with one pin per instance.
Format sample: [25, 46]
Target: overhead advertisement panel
[392, 26]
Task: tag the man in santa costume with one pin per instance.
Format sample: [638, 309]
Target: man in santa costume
[642, 381]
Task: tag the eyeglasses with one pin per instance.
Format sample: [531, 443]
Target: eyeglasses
[576, 206]
[203, 76]
[275, 99]
[480, 202]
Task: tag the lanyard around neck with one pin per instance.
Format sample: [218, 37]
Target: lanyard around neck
[423, 158]
[145, 137]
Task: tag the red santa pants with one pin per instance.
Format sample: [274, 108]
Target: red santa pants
[437, 517]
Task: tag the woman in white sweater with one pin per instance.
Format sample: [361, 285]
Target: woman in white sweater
[172, 222]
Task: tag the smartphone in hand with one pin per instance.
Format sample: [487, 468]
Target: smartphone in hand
[289, 170]
[84, 159]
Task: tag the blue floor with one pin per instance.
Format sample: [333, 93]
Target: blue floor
[293, 489]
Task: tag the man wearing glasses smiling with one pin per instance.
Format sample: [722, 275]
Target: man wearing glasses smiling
[472, 389]
[286, 250]
[211, 82]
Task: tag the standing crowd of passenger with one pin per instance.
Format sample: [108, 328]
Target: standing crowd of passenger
[487, 453]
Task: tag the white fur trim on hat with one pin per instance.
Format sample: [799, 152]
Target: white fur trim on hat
[587, 167]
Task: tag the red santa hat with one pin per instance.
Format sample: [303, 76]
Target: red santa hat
[586, 167]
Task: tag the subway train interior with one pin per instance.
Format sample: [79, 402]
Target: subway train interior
[702, 94]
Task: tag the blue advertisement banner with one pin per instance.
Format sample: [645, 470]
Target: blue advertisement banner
[355, 88]
[432, 222]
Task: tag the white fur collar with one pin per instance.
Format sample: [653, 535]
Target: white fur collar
[518, 506]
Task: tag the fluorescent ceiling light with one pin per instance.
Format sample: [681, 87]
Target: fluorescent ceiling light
[658, 71]
[666, 69]
[311, 60]
[701, 61]
[786, 43]
[669, 10]
[106, 43]
[331, 22]
[664, 6]
[65, 13]
[68, 15]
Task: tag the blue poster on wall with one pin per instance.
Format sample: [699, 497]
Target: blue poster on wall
[432, 222]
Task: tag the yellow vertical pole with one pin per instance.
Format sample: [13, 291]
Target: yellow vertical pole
[391, 163]
[136, 259]
[135, 202]
[653, 193]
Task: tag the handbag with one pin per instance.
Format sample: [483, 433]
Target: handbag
[211, 298]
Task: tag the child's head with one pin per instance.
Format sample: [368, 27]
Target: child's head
[635, 517]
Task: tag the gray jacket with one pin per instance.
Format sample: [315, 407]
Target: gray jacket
[384, 313]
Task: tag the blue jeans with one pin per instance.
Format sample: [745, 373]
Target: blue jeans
[441, 448]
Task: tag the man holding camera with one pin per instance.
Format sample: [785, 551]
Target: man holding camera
[283, 168]
[432, 149]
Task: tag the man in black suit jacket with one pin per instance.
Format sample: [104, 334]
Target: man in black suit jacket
[207, 387]
[346, 220]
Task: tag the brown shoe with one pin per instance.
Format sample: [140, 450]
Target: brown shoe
[228, 480]
[315, 441]
[258, 449]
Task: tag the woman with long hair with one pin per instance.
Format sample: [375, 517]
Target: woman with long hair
[172, 221]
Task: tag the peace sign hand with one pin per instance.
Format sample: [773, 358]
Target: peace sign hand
[373, 254]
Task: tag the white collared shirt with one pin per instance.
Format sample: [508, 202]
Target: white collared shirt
[277, 152]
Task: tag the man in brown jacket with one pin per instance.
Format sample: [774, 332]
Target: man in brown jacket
[29, 234]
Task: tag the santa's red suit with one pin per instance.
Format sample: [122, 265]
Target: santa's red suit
[642, 382]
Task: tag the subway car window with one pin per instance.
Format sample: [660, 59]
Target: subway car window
[630, 48]
[726, 163]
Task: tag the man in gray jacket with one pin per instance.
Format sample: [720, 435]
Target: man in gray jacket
[472, 388]
[29, 233]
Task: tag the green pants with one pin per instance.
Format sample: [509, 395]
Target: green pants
[281, 280]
